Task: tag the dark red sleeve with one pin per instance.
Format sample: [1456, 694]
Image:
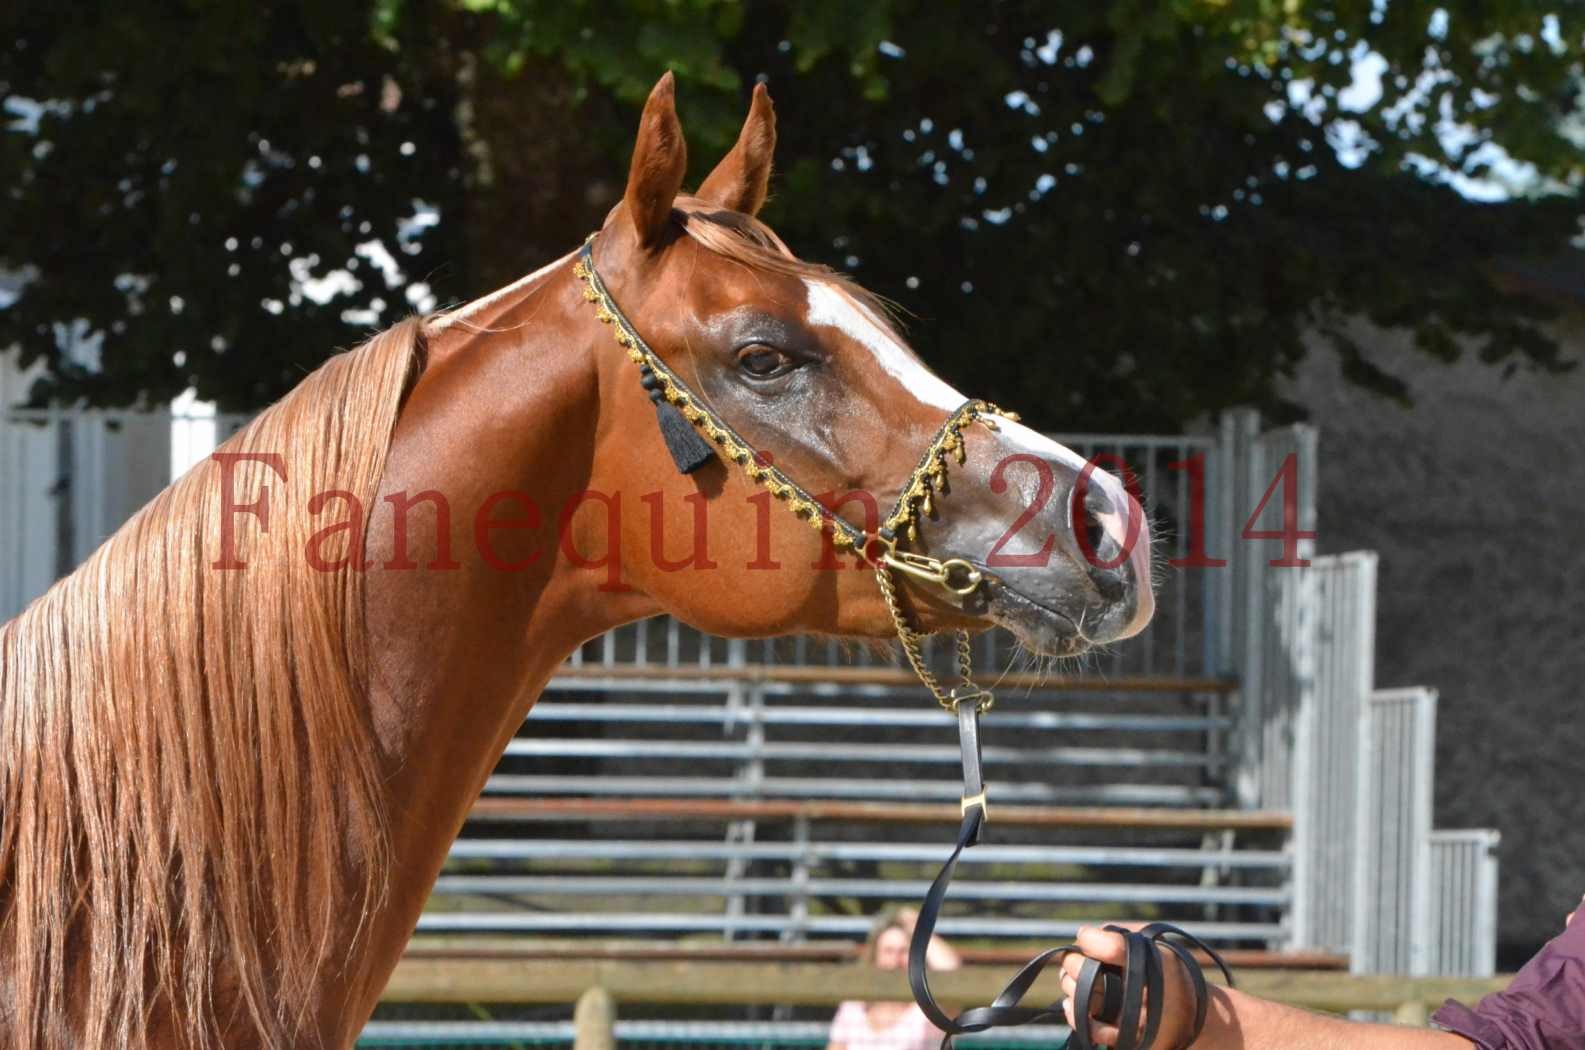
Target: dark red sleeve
[1543, 1009]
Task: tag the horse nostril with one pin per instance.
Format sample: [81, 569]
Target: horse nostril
[1094, 535]
[1092, 532]
[1108, 584]
[1097, 546]
[1096, 502]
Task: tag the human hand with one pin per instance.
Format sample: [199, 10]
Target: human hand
[1178, 1004]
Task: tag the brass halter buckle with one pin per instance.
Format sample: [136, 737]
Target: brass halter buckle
[954, 575]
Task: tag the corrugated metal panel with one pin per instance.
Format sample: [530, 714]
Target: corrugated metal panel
[1392, 863]
[1463, 903]
[1270, 617]
[1327, 758]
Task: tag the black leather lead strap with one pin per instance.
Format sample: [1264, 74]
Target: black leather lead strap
[968, 835]
[968, 712]
[1130, 994]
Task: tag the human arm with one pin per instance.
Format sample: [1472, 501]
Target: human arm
[1238, 1021]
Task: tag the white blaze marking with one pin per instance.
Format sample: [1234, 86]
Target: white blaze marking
[519, 285]
[1015, 438]
[1114, 522]
[1034, 443]
[830, 306]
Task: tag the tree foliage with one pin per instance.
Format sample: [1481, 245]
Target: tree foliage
[1121, 214]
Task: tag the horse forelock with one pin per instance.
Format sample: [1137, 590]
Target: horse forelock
[190, 794]
[746, 240]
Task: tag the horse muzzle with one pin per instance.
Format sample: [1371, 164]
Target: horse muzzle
[1064, 558]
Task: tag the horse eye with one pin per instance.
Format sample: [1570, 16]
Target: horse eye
[763, 362]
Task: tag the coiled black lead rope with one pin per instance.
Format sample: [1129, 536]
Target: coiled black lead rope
[1127, 991]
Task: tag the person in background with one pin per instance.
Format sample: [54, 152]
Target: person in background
[1542, 1009]
[891, 1025]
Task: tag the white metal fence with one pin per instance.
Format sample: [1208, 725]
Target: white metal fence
[1371, 877]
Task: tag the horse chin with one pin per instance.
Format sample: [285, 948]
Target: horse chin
[1041, 629]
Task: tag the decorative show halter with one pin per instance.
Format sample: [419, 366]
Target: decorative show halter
[694, 434]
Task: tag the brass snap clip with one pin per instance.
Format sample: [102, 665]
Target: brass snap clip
[954, 574]
[967, 577]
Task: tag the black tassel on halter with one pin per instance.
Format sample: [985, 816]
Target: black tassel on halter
[688, 449]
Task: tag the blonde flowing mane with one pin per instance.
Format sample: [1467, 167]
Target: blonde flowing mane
[190, 797]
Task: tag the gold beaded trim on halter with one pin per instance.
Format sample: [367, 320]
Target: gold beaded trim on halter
[930, 476]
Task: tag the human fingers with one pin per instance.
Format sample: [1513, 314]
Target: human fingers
[1101, 1033]
[1102, 945]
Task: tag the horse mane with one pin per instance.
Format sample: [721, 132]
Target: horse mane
[190, 789]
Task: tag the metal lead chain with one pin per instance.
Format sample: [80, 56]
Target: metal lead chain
[948, 698]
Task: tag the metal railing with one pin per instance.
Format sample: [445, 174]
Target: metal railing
[707, 1001]
[746, 737]
[725, 747]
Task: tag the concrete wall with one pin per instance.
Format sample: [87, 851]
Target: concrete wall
[1475, 500]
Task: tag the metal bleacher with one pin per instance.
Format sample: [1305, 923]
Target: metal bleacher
[728, 794]
[674, 785]
[1235, 769]
[730, 797]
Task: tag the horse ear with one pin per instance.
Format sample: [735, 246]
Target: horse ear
[742, 180]
[660, 158]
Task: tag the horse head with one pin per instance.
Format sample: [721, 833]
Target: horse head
[821, 395]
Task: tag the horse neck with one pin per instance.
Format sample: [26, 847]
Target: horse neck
[509, 403]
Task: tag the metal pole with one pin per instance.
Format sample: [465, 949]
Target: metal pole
[1250, 627]
[594, 1021]
[66, 492]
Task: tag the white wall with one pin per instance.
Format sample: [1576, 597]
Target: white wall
[27, 512]
[117, 462]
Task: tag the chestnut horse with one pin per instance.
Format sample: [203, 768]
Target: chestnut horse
[239, 740]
